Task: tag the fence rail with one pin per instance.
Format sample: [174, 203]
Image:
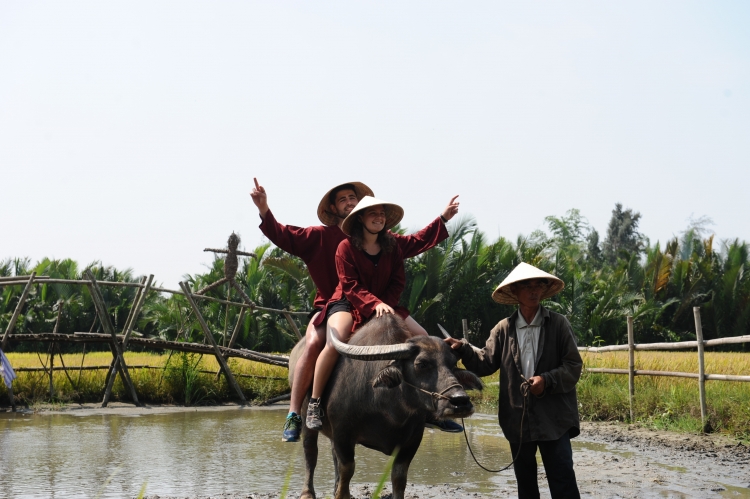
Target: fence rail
[699, 344]
[119, 342]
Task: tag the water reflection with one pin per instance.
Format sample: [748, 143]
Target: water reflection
[209, 452]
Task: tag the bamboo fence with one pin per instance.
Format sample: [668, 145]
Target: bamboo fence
[700, 344]
[119, 342]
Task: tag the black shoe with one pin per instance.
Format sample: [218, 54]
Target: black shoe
[446, 425]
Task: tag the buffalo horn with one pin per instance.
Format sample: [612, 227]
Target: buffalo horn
[374, 352]
[445, 333]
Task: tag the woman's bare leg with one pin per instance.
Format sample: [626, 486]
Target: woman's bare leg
[414, 328]
[340, 325]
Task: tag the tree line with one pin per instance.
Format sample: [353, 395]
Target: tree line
[624, 274]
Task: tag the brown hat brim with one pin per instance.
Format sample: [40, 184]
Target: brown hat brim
[324, 213]
[525, 272]
[393, 213]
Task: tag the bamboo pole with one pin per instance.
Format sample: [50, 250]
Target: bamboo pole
[17, 311]
[465, 328]
[209, 336]
[180, 346]
[631, 367]
[701, 367]
[235, 333]
[140, 299]
[677, 345]
[292, 325]
[643, 372]
[18, 281]
[101, 310]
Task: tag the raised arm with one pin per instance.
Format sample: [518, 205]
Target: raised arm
[297, 241]
[260, 198]
[429, 237]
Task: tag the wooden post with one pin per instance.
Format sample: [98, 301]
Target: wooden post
[12, 399]
[210, 338]
[701, 367]
[292, 324]
[465, 326]
[101, 311]
[140, 299]
[235, 333]
[17, 311]
[51, 367]
[631, 367]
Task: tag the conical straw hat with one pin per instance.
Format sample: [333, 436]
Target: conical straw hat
[324, 214]
[393, 213]
[523, 272]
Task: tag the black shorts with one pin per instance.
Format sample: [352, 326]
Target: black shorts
[313, 312]
[341, 305]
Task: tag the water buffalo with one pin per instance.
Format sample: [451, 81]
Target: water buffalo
[382, 390]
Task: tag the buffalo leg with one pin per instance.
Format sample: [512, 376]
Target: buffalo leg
[310, 447]
[401, 469]
[345, 457]
[335, 469]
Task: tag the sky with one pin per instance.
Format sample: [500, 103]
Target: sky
[130, 132]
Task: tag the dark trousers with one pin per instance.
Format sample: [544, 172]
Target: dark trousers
[557, 456]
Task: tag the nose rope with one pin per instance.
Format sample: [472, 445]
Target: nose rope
[525, 391]
[436, 395]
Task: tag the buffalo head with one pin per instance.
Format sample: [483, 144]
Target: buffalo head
[426, 368]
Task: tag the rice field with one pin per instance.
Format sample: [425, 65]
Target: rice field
[660, 402]
[180, 378]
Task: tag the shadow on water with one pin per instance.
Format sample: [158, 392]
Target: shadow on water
[209, 452]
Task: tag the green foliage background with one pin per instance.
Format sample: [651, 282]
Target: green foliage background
[605, 281]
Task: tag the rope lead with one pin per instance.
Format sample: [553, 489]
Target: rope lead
[525, 392]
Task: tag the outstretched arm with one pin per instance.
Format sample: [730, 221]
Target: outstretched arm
[450, 210]
[429, 237]
[260, 198]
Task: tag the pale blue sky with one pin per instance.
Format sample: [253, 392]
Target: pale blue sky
[130, 131]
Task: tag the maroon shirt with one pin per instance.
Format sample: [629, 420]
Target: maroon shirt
[317, 246]
[366, 284]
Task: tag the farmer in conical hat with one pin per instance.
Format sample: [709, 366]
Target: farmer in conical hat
[370, 268]
[316, 246]
[533, 349]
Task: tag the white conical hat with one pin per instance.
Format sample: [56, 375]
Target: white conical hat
[393, 213]
[328, 218]
[524, 272]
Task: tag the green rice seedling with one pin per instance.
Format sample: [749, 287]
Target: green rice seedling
[386, 473]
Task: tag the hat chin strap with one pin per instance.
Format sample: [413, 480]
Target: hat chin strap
[371, 232]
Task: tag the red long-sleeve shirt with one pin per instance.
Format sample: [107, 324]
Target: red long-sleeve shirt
[317, 246]
[365, 284]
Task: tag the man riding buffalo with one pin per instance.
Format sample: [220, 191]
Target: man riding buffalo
[316, 246]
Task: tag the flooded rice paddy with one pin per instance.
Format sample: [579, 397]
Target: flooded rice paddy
[235, 452]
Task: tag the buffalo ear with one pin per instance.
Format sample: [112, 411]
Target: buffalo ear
[389, 377]
[468, 379]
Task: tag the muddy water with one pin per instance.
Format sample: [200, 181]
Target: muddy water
[237, 451]
[201, 453]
